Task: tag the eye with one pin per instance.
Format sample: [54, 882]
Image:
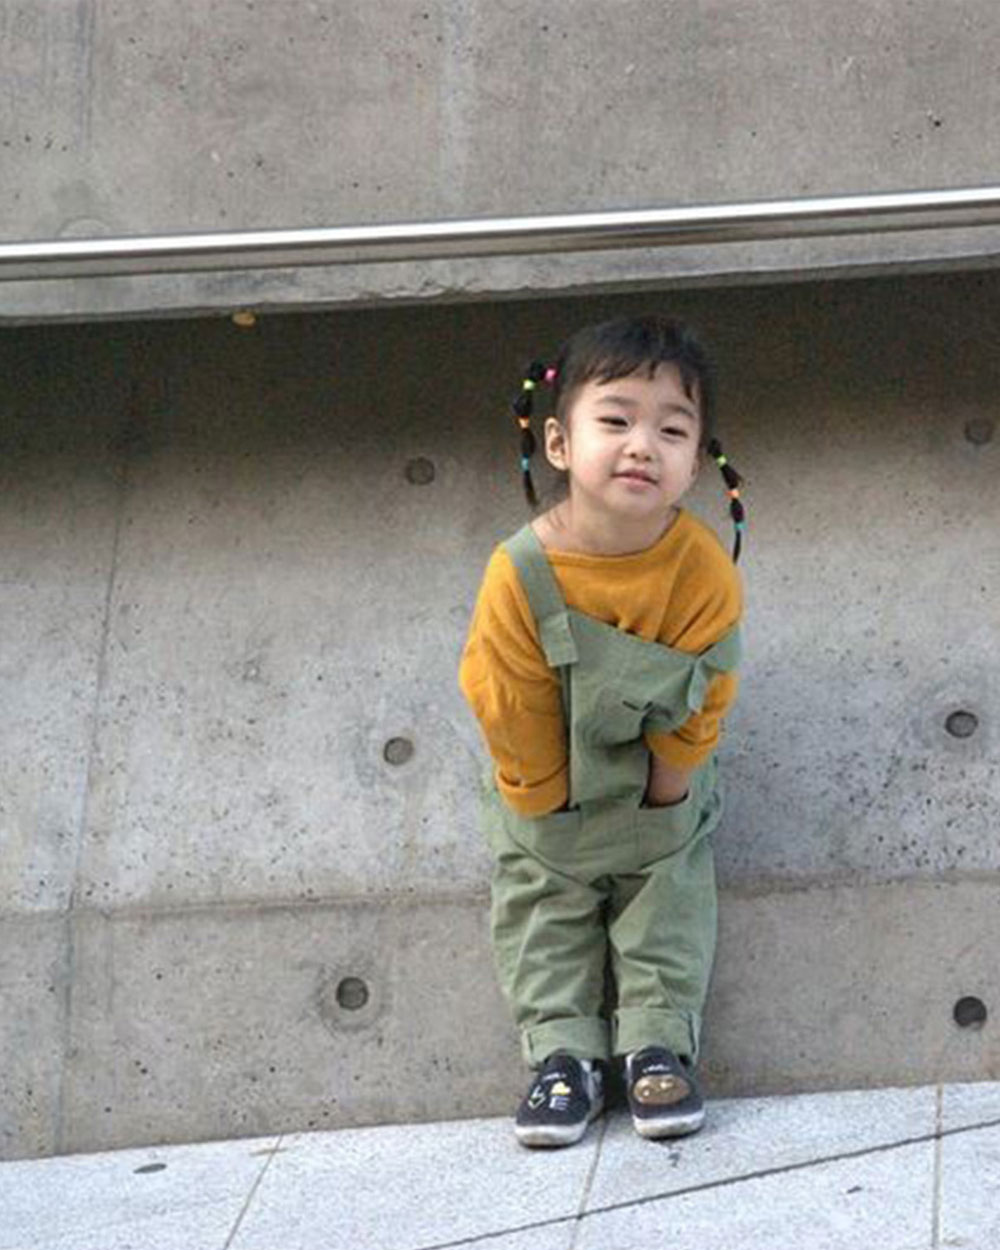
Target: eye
[616, 423]
[675, 431]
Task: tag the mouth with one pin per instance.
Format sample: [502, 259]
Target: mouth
[636, 475]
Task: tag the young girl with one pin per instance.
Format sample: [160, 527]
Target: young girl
[600, 662]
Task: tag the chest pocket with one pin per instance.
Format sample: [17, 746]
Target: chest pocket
[615, 718]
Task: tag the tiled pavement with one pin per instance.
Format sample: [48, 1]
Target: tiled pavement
[903, 1169]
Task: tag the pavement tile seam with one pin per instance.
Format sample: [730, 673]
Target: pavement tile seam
[272, 1154]
[727, 1182]
[588, 1183]
[938, 1181]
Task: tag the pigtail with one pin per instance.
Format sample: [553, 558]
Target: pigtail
[523, 408]
[732, 479]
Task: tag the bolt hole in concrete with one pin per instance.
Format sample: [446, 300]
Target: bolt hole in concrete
[398, 751]
[980, 430]
[420, 471]
[970, 1013]
[352, 993]
[147, 1168]
[962, 724]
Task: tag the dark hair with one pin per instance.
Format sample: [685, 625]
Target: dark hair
[618, 349]
[630, 345]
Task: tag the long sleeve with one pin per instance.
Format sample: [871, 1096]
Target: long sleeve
[712, 600]
[514, 694]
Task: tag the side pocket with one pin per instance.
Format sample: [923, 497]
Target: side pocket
[663, 831]
[553, 839]
[545, 837]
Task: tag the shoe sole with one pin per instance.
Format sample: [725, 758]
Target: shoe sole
[674, 1126]
[553, 1135]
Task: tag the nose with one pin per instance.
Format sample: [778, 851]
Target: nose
[640, 442]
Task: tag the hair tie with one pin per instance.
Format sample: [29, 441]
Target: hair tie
[522, 407]
[733, 480]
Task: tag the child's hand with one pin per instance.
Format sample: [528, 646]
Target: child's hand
[666, 785]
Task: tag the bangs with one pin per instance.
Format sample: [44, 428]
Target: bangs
[627, 366]
[635, 346]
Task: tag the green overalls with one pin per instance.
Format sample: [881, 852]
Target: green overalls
[607, 875]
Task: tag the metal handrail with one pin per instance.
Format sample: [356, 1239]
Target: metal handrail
[502, 236]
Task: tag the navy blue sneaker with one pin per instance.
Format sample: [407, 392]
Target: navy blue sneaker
[564, 1097]
[663, 1095]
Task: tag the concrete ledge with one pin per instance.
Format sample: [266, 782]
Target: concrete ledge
[202, 1024]
[133, 123]
[228, 1022]
[515, 278]
[33, 991]
[825, 988]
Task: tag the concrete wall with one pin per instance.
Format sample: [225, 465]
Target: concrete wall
[239, 563]
[138, 118]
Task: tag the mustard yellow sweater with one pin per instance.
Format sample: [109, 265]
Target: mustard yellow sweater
[682, 591]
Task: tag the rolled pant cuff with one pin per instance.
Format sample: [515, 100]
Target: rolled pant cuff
[586, 1037]
[636, 1027]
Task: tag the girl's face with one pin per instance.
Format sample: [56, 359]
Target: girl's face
[630, 446]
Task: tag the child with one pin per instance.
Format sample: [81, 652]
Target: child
[600, 661]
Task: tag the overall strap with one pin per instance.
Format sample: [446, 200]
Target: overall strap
[722, 657]
[725, 654]
[544, 597]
